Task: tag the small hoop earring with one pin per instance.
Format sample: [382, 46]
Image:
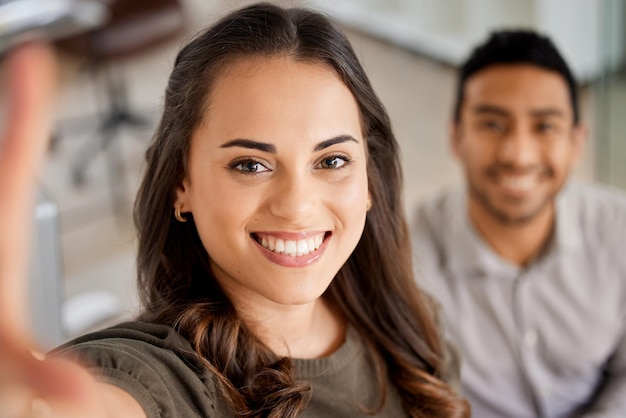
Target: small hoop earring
[178, 216]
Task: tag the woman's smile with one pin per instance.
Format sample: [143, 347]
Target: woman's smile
[292, 249]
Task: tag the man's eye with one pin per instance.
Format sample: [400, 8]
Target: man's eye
[546, 127]
[493, 126]
[249, 166]
[333, 161]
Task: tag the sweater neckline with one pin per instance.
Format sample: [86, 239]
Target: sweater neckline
[344, 355]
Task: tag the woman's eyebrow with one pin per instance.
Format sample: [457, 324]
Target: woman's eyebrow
[271, 148]
[332, 141]
[250, 144]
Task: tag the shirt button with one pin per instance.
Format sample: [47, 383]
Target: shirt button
[530, 338]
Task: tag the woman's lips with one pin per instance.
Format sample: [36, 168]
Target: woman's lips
[292, 249]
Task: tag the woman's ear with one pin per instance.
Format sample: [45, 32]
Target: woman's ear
[183, 201]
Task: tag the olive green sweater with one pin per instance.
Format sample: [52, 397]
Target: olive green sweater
[160, 370]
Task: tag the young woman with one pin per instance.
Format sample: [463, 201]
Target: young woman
[274, 263]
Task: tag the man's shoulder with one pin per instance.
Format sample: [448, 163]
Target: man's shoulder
[595, 211]
[436, 225]
[441, 202]
[436, 209]
[599, 203]
[600, 192]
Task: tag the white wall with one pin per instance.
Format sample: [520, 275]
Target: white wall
[448, 29]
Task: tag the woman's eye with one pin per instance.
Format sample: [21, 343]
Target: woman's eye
[249, 166]
[334, 161]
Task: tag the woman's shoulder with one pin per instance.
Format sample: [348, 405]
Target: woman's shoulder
[143, 340]
[134, 333]
[152, 362]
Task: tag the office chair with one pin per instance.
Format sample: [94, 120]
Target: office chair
[133, 27]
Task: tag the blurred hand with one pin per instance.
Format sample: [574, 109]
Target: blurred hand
[30, 386]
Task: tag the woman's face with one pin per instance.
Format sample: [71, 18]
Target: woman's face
[277, 180]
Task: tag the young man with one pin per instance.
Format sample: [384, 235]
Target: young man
[530, 267]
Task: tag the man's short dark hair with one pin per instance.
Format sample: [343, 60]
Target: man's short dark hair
[516, 47]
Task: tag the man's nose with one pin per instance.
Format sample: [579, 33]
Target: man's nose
[519, 148]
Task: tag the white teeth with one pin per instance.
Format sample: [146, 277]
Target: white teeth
[292, 248]
[302, 247]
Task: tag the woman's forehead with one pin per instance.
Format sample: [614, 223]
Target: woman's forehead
[278, 94]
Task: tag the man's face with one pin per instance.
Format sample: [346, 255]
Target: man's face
[516, 140]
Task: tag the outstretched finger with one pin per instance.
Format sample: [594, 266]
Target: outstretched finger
[30, 73]
[54, 384]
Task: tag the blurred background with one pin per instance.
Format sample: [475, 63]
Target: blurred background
[113, 76]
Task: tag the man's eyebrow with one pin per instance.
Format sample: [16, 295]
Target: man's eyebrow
[250, 144]
[332, 141]
[484, 108]
[547, 112]
[491, 109]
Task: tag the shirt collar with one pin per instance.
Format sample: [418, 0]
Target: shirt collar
[471, 255]
[568, 234]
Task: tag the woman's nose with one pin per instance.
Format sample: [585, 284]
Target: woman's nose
[293, 197]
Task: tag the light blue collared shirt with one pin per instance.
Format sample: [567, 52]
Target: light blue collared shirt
[546, 340]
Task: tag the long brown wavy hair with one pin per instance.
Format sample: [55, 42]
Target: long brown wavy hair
[374, 290]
